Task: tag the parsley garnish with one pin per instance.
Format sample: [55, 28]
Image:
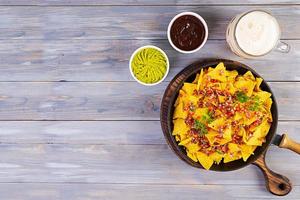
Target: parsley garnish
[200, 127]
[242, 97]
[255, 104]
[207, 118]
[211, 117]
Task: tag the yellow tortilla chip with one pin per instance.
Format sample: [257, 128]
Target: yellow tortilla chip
[217, 157]
[217, 123]
[192, 156]
[211, 136]
[258, 82]
[205, 160]
[193, 100]
[179, 126]
[255, 138]
[228, 157]
[247, 151]
[180, 97]
[199, 112]
[200, 80]
[265, 127]
[248, 121]
[245, 85]
[192, 147]
[268, 104]
[249, 75]
[262, 130]
[189, 88]
[227, 133]
[179, 112]
[231, 89]
[210, 69]
[233, 147]
[219, 73]
[242, 132]
[221, 99]
[263, 96]
[222, 141]
[195, 81]
[185, 142]
[254, 141]
[216, 86]
[231, 75]
[238, 116]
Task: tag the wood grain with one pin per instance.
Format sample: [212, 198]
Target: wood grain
[91, 132]
[147, 164]
[104, 60]
[106, 101]
[50, 40]
[32, 191]
[130, 22]
[276, 183]
[290, 144]
[143, 2]
[81, 132]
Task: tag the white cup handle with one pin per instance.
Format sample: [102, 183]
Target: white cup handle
[283, 47]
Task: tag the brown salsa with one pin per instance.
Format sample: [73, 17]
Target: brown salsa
[187, 32]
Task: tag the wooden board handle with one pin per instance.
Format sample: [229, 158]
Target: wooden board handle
[288, 143]
[275, 183]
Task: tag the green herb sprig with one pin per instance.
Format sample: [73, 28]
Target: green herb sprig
[201, 127]
[207, 118]
[242, 97]
[255, 103]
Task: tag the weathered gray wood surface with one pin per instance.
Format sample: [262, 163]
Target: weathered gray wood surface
[57, 155]
[145, 2]
[74, 124]
[106, 100]
[92, 132]
[130, 22]
[148, 164]
[32, 191]
[107, 60]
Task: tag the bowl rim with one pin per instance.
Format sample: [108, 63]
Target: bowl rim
[195, 15]
[144, 47]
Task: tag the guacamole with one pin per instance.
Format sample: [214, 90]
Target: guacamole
[149, 65]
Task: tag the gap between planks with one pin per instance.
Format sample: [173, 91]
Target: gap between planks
[134, 184]
[152, 5]
[106, 120]
[167, 81]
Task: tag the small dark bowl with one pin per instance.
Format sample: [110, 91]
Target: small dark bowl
[167, 108]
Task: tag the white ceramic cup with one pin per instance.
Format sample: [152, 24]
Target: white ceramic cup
[144, 47]
[202, 21]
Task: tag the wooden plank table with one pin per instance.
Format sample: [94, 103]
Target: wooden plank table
[74, 124]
